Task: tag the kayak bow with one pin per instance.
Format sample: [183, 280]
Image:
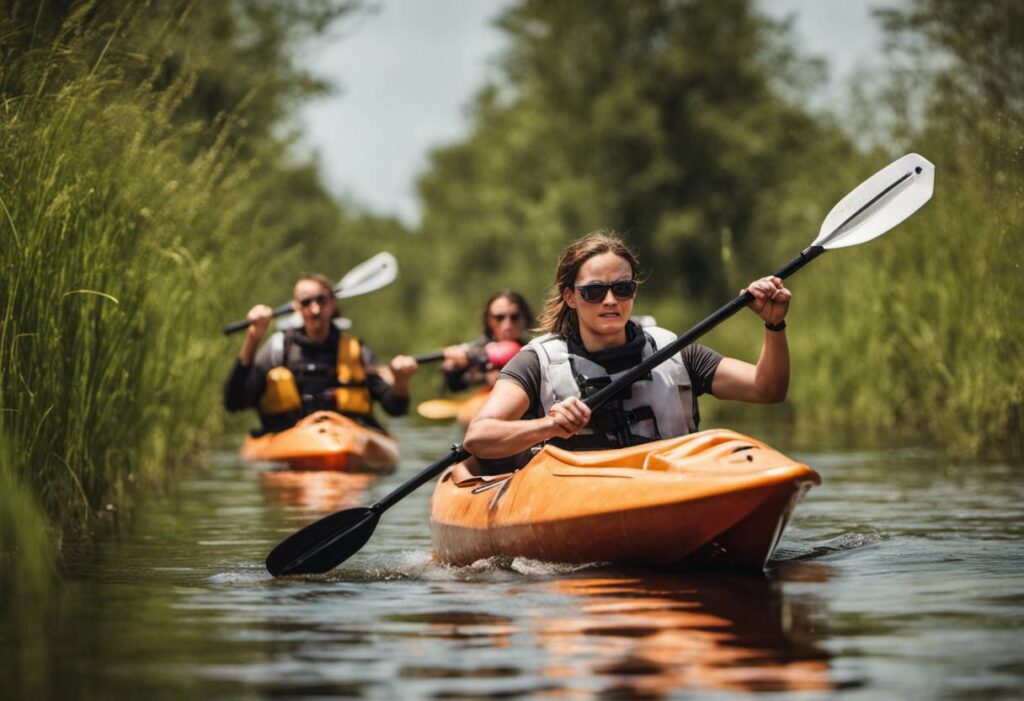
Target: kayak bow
[326, 440]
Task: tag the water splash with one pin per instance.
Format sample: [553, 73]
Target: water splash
[839, 545]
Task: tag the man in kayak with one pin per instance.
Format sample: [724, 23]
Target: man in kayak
[317, 367]
[506, 316]
[590, 339]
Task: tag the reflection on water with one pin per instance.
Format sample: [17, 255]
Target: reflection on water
[488, 631]
[641, 635]
[315, 490]
[652, 635]
[900, 578]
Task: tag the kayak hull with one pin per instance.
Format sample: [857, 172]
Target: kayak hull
[326, 441]
[714, 498]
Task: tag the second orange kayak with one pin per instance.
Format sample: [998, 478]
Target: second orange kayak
[326, 441]
[710, 498]
[471, 405]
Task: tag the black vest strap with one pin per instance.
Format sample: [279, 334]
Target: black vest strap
[611, 423]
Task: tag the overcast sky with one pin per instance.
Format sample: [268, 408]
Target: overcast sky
[404, 74]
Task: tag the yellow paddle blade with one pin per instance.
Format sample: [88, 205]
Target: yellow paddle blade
[438, 409]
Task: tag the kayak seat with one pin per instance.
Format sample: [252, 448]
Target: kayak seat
[462, 476]
[696, 449]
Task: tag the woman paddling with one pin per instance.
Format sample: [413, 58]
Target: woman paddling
[590, 339]
[506, 316]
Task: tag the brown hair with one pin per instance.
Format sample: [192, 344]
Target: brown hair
[557, 316]
[516, 299]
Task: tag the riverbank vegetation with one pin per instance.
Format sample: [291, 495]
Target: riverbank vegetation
[149, 193]
[929, 318]
[143, 179]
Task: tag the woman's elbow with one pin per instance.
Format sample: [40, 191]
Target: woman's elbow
[774, 394]
[483, 439]
[473, 442]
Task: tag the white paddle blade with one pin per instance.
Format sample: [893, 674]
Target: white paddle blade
[370, 275]
[879, 203]
[644, 320]
[294, 321]
[287, 323]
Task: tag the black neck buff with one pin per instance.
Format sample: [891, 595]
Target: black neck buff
[612, 359]
[303, 340]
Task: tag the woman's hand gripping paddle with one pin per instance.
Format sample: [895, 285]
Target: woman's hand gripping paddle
[876, 206]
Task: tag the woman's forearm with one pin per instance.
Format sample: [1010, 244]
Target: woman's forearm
[771, 375]
[497, 438]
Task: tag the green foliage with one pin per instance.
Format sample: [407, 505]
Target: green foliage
[140, 187]
[26, 554]
[932, 353]
[680, 124]
[931, 350]
[677, 123]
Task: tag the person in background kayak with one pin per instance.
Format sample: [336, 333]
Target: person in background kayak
[590, 339]
[317, 367]
[506, 316]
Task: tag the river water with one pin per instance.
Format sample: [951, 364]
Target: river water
[900, 577]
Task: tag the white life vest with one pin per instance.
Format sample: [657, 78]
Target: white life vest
[657, 406]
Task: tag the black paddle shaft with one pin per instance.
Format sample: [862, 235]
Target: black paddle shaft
[600, 397]
[429, 357]
[325, 544]
[236, 326]
[456, 454]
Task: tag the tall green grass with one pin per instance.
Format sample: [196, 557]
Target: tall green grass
[915, 336]
[921, 332]
[123, 246]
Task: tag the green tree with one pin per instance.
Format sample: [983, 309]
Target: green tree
[678, 123]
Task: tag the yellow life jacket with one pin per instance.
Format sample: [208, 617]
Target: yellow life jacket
[281, 394]
[354, 395]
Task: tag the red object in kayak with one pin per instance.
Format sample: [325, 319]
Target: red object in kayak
[714, 498]
[500, 352]
[326, 441]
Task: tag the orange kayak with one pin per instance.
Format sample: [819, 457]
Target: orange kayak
[471, 405]
[714, 498]
[326, 441]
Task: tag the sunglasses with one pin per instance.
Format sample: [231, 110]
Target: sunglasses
[596, 291]
[320, 299]
[514, 317]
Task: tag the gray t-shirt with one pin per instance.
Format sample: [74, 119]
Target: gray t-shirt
[700, 361]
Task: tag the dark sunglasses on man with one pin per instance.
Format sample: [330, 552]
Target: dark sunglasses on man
[596, 291]
[320, 299]
[514, 317]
